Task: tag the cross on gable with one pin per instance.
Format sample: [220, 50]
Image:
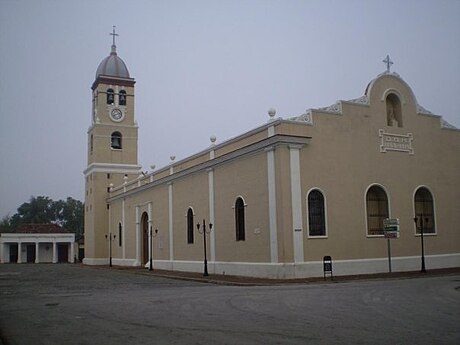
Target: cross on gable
[388, 62]
[113, 34]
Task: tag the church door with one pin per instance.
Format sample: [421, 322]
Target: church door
[145, 238]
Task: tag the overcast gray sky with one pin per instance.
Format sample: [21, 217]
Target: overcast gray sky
[202, 68]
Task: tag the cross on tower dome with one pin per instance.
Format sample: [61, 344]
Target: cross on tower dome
[113, 34]
[113, 65]
[388, 62]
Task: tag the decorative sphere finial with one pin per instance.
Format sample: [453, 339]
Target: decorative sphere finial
[272, 112]
[152, 167]
[172, 158]
[213, 139]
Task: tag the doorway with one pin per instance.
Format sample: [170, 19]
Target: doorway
[63, 252]
[14, 253]
[145, 237]
[31, 253]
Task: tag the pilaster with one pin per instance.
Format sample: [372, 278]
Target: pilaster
[296, 202]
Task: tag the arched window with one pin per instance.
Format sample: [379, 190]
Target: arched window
[239, 219]
[116, 140]
[110, 96]
[122, 97]
[190, 225]
[91, 143]
[394, 115]
[377, 210]
[316, 214]
[423, 204]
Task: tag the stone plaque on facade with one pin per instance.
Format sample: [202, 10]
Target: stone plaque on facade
[396, 142]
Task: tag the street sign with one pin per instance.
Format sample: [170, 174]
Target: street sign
[391, 228]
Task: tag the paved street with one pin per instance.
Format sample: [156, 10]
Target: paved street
[73, 304]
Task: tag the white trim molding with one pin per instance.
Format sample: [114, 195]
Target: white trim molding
[271, 173]
[112, 168]
[296, 203]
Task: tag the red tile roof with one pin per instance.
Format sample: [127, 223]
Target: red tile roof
[40, 229]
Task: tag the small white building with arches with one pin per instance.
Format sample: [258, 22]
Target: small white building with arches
[281, 196]
[38, 243]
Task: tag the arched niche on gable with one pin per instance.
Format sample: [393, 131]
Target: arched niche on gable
[393, 110]
[393, 100]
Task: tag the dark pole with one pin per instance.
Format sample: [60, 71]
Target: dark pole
[203, 231]
[110, 247]
[205, 257]
[423, 270]
[151, 248]
[423, 244]
[389, 254]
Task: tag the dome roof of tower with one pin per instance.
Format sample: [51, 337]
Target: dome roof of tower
[113, 66]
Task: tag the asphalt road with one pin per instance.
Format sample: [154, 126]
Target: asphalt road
[73, 304]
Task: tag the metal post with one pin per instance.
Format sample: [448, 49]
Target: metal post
[423, 244]
[423, 270]
[109, 237]
[205, 257]
[151, 248]
[389, 255]
[203, 231]
[110, 249]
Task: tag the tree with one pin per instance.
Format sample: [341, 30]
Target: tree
[5, 224]
[67, 213]
[37, 210]
[70, 215]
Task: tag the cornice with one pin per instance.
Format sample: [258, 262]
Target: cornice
[112, 168]
[112, 81]
[251, 149]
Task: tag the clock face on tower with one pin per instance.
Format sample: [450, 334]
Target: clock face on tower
[116, 115]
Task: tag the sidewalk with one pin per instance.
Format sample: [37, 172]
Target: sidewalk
[253, 281]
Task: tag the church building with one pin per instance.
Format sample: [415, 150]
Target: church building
[344, 181]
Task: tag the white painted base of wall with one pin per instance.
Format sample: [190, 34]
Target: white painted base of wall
[105, 261]
[297, 270]
[95, 262]
[312, 269]
[124, 262]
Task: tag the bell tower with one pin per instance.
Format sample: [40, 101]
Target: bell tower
[112, 149]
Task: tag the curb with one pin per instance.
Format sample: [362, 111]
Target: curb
[252, 281]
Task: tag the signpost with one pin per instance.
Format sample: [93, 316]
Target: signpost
[390, 230]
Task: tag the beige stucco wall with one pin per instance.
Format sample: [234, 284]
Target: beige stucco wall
[100, 152]
[342, 159]
[190, 191]
[246, 178]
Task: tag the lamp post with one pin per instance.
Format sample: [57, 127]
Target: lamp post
[110, 237]
[204, 232]
[151, 246]
[423, 270]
